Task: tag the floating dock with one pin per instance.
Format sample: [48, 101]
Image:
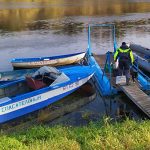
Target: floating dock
[138, 97]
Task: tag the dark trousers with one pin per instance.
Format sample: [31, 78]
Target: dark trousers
[124, 69]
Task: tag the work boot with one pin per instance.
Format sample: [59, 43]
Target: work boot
[127, 81]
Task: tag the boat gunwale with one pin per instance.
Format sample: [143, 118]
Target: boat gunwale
[25, 60]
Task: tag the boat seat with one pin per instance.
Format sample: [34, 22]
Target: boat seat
[48, 80]
[34, 84]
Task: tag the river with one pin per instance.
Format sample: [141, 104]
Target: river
[35, 28]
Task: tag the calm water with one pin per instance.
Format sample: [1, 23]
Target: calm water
[35, 28]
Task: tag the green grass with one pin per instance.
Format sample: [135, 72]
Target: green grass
[127, 135]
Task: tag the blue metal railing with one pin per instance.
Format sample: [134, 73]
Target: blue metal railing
[101, 25]
[136, 66]
[144, 80]
[102, 80]
[107, 65]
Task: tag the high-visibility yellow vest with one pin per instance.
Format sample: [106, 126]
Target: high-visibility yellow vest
[124, 54]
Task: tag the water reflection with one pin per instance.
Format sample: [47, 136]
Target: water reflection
[117, 108]
[15, 15]
[67, 26]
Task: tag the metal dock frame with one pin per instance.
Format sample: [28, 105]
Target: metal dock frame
[103, 82]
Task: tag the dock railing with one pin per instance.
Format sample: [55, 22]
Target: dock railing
[108, 66]
[101, 25]
[104, 83]
[142, 77]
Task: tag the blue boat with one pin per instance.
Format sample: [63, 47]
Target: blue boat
[140, 49]
[143, 62]
[47, 85]
[19, 63]
[8, 76]
[142, 55]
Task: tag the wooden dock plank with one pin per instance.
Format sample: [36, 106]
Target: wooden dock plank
[141, 99]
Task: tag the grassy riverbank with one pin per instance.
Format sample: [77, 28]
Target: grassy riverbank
[95, 136]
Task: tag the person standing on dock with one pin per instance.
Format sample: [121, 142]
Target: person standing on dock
[126, 59]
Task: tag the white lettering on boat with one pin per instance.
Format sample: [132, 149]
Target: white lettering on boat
[44, 62]
[16, 105]
[73, 85]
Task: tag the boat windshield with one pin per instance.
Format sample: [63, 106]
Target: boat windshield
[45, 70]
[51, 75]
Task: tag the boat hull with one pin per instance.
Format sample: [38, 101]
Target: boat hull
[47, 61]
[29, 109]
[140, 49]
[143, 63]
[143, 55]
[22, 105]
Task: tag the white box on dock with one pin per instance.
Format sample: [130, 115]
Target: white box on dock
[121, 80]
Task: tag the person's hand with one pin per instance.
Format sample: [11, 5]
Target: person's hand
[132, 63]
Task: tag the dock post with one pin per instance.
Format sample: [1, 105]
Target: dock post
[89, 41]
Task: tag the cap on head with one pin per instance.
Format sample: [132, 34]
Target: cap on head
[123, 43]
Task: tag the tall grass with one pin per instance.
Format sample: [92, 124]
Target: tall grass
[102, 135]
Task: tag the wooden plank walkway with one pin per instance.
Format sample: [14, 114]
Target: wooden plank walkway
[141, 99]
